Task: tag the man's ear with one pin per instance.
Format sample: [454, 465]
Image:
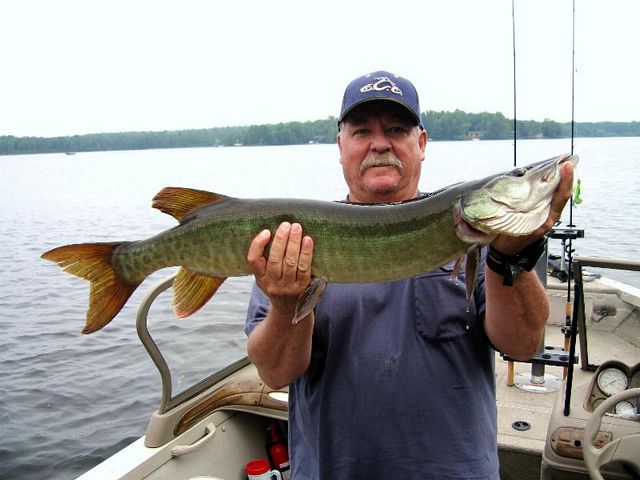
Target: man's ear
[422, 141]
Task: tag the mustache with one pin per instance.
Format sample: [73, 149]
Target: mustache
[386, 159]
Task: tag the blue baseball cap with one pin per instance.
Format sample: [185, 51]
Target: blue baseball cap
[381, 85]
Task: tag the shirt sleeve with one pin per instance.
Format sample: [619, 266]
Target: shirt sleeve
[257, 309]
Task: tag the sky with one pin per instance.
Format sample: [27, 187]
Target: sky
[87, 66]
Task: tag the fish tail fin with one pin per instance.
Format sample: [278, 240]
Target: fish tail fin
[94, 262]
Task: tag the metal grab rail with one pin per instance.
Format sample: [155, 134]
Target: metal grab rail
[167, 401]
[150, 344]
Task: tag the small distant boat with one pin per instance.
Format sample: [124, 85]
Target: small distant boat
[69, 153]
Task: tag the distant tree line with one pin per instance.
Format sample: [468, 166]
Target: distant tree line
[457, 125]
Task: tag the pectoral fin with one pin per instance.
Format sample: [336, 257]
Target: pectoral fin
[309, 298]
[472, 267]
[192, 290]
[457, 267]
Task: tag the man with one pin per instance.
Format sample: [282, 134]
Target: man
[391, 380]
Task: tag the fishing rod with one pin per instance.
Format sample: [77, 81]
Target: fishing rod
[571, 317]
[513, 41]
[567, 241]
[566, 236]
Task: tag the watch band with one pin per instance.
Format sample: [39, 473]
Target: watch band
[511, 266]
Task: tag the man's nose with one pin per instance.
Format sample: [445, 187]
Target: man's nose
[379, 140]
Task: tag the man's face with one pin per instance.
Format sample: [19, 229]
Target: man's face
[381, 152]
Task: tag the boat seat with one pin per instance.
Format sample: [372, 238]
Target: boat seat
[244, 390]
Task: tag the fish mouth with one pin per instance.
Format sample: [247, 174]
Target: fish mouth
[467, 232]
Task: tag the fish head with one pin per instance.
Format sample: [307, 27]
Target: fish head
[513, 203]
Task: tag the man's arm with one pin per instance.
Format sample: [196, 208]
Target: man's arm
[280, 350]
[516, 315]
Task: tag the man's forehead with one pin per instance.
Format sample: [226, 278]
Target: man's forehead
[382, 108]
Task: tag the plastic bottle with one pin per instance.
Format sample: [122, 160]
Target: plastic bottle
[278, 452]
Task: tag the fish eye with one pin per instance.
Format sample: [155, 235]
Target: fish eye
[518, 172]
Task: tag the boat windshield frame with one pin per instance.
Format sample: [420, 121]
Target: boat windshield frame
[167, 400]
[579, 323]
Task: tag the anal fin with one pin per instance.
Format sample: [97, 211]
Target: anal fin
[191, 291]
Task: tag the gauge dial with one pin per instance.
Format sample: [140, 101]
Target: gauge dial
[625, 409]
[612, 380]
[596, 403]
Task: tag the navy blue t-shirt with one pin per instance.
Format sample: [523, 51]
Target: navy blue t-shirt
[400, 384]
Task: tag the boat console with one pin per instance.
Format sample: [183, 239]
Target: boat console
[594, 428]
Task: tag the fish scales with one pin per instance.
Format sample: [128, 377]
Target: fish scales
[345, 250]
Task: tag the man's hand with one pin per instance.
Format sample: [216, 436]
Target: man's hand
[280, 351]
[512, 245]
[287, 272]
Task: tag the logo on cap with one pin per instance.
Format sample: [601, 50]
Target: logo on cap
[381, 84]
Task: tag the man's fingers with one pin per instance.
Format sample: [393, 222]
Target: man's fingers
[290, 255]
[278, 250]
[255, 256]
[290, 265]
[304, 261]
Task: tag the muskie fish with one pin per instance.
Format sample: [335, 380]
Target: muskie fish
[353, 243]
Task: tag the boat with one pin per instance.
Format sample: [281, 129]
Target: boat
[578, 390]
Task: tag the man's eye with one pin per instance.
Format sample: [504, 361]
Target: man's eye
[361, 131]
[396, 129]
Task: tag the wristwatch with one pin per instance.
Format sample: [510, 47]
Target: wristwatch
[511, 266]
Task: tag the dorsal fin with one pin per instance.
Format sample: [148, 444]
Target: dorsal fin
[179, 201]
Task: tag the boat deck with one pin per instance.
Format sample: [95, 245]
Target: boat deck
[521, 451]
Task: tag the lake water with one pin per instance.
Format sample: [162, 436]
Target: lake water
[67, 400]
